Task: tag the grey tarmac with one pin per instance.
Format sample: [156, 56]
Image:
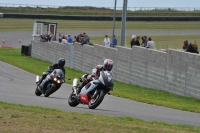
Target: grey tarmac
[18, 86]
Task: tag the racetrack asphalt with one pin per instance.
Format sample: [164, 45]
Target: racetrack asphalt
[18, 86]
[11, 38]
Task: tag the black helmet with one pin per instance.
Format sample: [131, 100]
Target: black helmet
[61, 62]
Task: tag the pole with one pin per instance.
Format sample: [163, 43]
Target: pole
[123, 23]
[114, 15]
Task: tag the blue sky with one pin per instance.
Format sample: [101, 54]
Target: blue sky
[110, 3]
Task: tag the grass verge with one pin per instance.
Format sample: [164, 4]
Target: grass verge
[14, 24]
[161, 98]
[16, 118]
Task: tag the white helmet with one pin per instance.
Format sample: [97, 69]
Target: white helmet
[133, 36]
[108, 64]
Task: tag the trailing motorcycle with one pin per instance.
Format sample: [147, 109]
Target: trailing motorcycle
[93, 99]
[53, 82]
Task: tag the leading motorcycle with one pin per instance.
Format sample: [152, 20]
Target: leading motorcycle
[53, 82]
[94, 97]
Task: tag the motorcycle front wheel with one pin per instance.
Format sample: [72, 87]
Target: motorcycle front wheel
[96, 101]
[72, 101]
[37, 92]
[49, 91]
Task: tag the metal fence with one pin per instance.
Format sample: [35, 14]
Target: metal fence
[89, 8]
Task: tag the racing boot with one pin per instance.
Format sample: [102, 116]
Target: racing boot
[81, 86]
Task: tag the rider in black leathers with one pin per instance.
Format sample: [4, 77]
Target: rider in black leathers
[59, 65]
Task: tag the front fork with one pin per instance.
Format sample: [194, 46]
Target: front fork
[74, 90]
[74, 86]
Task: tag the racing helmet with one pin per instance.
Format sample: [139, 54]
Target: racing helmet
[61, 62]
[108, 64]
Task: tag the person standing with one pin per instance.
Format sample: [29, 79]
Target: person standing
[138, 41]
[114, 41]
[69, 40]
[133, 41]
[106, 41]
[60, 38]
[144, 41]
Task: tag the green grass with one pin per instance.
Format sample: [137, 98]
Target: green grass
[16, 118]
[96, 11]
[150, 96]
[161, 41]
[8, 24]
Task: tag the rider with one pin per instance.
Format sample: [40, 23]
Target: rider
[59, 65]
[107, 66]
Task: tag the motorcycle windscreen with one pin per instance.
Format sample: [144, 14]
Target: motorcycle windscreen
[59, 73]
[106, 79]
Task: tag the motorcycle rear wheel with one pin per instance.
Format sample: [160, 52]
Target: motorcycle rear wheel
[72, 101]
[96, 101]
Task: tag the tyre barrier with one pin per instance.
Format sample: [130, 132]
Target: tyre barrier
[103, 18]
[26, 50]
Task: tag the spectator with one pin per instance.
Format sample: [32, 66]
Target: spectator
[78, 38]
[64, 40]
[106, 41]
[151, 44]
[50, 37]
[133, 41]
[43, 38]
[189, 48]
[60, 38]
[47, 37]
[53, 38]
[144, 41]
[75, 39]
[82, 40]
[114, 41]
[87, 38]
[138, 41]
[69, 40]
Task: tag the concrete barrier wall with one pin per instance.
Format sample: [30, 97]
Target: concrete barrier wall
[172, 71]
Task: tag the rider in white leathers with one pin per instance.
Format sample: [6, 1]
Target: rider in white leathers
[107, 66]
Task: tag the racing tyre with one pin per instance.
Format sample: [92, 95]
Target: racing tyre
[49, 90]
[96, 101]
[37, 92]
[72, 101]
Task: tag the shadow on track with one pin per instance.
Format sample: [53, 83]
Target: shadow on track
[86, 108]
[54, 97]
